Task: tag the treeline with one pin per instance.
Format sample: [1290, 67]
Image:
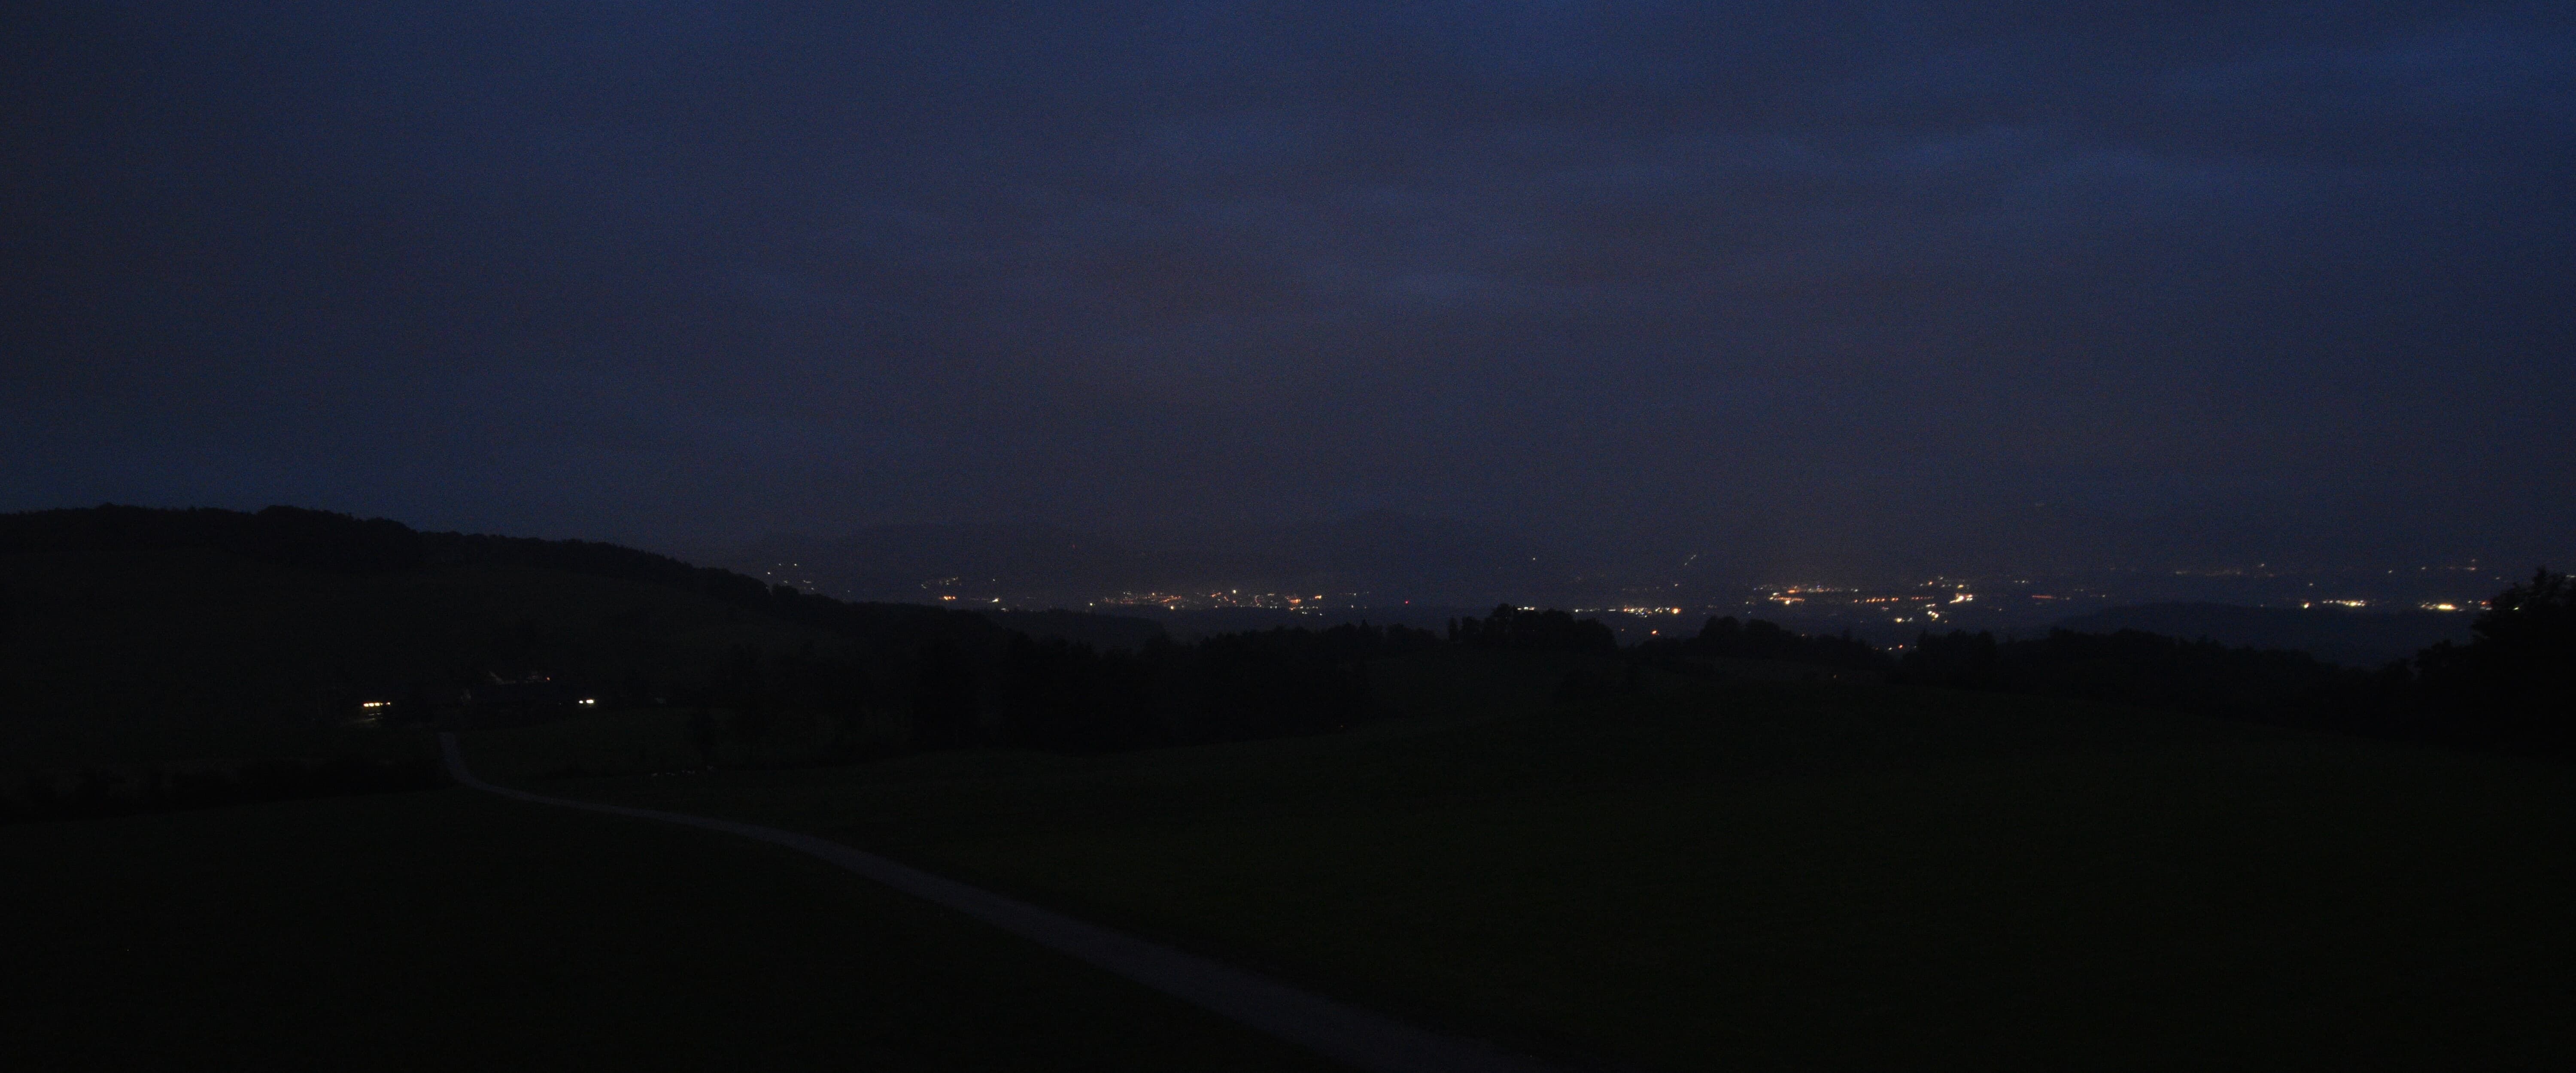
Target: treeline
[2515, 681]
[1725, 638]
[811, 704]
[865, 679]
[1529, 629]
[2512, 686]
[338, 543]
[878, 678]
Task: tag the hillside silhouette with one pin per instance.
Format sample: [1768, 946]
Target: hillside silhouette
[136, 643]
[137, 638]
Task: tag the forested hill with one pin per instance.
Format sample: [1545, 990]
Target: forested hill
[203, 626]
[182, 620]
[320, 540]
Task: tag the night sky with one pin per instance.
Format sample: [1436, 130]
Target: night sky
[1843, 286]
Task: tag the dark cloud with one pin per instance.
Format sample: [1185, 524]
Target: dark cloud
[1852, 285]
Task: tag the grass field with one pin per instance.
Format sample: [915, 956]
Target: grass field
[1783, 875]
[453, 930]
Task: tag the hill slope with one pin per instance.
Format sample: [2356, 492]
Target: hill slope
[195, 628]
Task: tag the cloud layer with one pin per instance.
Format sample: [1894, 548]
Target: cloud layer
[1860, 286]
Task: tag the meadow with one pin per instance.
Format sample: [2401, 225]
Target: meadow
[1773, 874]
[449, 930]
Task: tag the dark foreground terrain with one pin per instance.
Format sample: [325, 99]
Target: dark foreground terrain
[452, 930]
[1783, 876]
[226, 839]
[1778, 875]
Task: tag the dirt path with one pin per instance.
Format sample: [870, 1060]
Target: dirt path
[1348, 1033]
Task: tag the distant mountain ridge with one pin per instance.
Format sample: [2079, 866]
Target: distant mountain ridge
[1385, 556]
[921, 562]
[2352, 638]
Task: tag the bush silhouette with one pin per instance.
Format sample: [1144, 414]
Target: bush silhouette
[2516, 678]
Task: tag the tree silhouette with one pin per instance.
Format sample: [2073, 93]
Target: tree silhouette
[1516, 629]
[2516, 678]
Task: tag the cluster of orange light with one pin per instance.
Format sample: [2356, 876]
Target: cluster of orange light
[1228, 598]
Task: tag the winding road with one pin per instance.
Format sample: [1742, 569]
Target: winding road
[1344, 1032]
